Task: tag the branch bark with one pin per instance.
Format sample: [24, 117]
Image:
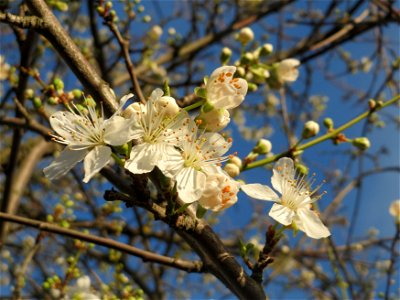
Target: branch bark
[53, 31]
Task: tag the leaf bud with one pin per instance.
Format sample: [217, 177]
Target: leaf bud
[29, 93]
[58, 84]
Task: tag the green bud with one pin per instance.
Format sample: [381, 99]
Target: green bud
[69, 203]
[109, 5]
[146, 19]
[61, 6]
[37, 102]
[100, 10]
[140, 9]
[64, 224]
[58, 84]
[225, 56]
[50, 218]
[29, 93]
[77, 93]
[252, 87]
[52, 100]
[328, 123]
[266, 49]
[247, 58]
[46, 285]
[361, 143]
[263, 147]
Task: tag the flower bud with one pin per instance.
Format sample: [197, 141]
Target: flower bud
[266, 49]
[146, 19]
[328, 123]
[58, 84]
[155, 33]
[241, 71]
[132, 109]
[225, 56]
[310, 129]
[236, 161]
[29, 93]
[252, 87]
[245, 35]
[394, 210]
[247, 58]
[37, 102]
[171, 31]
[220, 192]
[168, 105]
[214, 120]
[361, 143]
[232, 169]
[263, 147]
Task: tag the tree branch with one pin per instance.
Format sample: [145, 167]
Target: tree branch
[23, 22]
[188, 266]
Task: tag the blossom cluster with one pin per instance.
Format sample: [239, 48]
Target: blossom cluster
[160, 134]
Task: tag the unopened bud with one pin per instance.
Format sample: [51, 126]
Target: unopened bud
[245, 35]
[371, 103]
[263, 147]
[252, 87]
[37, 102]
[225, 56]
[100, 10]
[266, 49]
[394, 210]
[146, 19]
[61, 6]
[240, 71]
[132, 109]
[109, 5]
[29, 93]
[168, 105]
[89, 101]
[236, 161]
[155, 32]
[58, 84]
[328, 123]
[232, 169]
[361, 143]
[247, 58]
[52, 100]
[310, 129]
[77, 93]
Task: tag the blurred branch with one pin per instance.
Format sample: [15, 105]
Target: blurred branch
[22, 22]
[181, 264]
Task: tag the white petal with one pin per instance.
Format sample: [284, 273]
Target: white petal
[95, 161]
[190, 184]
[116, 131]
[62, 119]
[171, 163]
[156, 94]
[283, 171]
[259, 191]
[216, 143]
[143, 158]
[282, 214]
[63, 163]
[309, 222]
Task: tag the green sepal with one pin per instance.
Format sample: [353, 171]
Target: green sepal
[200, 92]
[200, 212]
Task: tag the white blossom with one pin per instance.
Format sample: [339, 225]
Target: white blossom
[287, 70]
[224, 91]
[87, 137]
[219, 193]
[293, 206]
[81, 290]
[394, 210]
[153, 127]
[200, 156]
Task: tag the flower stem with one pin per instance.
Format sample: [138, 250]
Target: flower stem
[194, 105]
[117, 159]
[322, 138]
